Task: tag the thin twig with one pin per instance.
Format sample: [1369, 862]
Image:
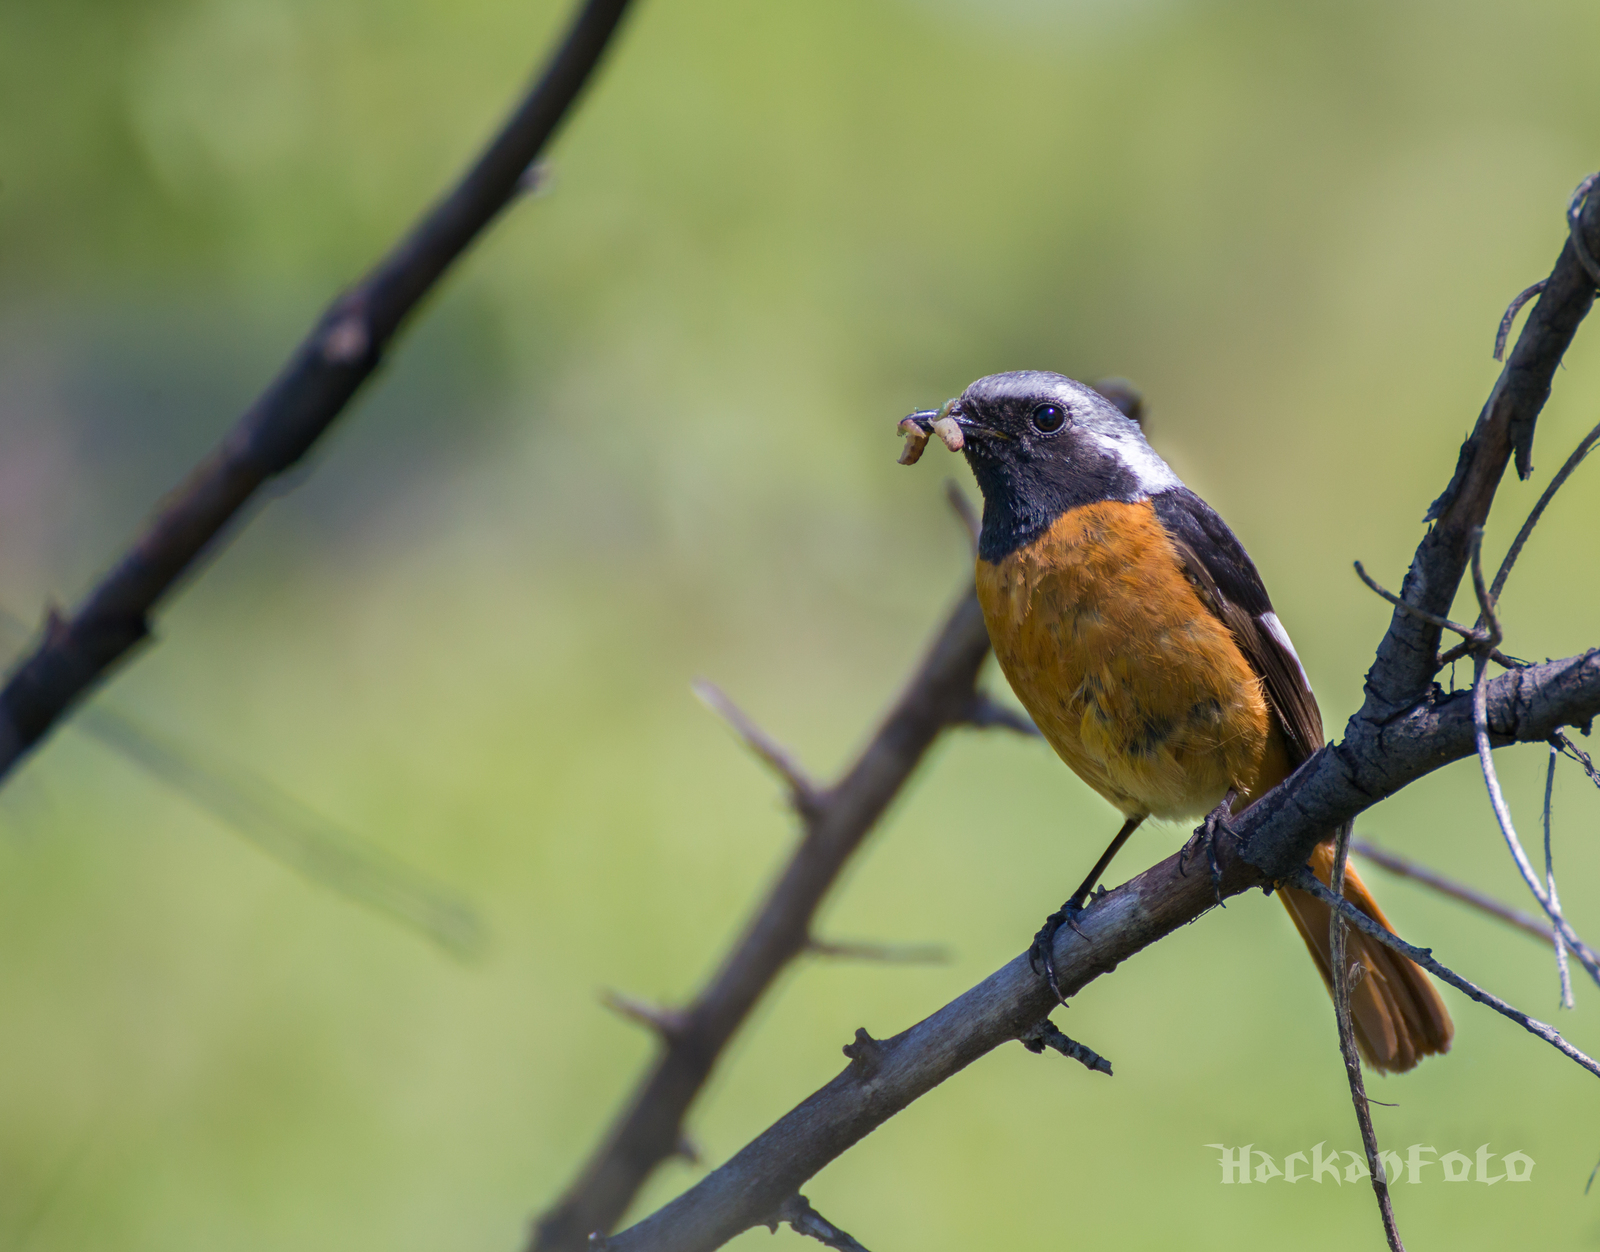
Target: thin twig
[667, 1023]
[1572, 463]
[1562, 970]
[887, 953]
[1512, 309]
[1305, 880]
[803, 793]
[293, 834]
[985, 712]
[1433, 619]
[1473, 637]
[313, 388]
[283, 827]
[1405, 868]
[1572, 750]
[643, 1135]
[1343, 981]
[1487, 600]
[1502, 812]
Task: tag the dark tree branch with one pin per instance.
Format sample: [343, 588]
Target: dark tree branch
[939, 695]
[1403, 668]
[1406, 728]
[887, 1075]
[316, 384]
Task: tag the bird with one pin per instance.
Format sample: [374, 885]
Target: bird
[1135, 630]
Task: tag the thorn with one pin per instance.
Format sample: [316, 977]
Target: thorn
[1045, 1034]
[803, 793]
[892, 954]
[536, 179]
[668, 1023]
[985, 712]
[805, 1220]
[1512, 309]
[866, 1055]
[687, 1149]
[963, 510]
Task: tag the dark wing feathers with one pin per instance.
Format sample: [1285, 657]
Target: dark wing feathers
[1226, 578]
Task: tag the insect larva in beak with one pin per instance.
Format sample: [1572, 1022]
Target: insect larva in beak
[916, 441]
[948, 431]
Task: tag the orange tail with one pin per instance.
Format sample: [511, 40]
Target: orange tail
[1395, 1008]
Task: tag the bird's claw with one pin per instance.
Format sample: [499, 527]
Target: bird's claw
[1205, 836]
[1041, 953]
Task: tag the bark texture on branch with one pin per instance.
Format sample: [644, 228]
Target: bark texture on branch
[327, 368]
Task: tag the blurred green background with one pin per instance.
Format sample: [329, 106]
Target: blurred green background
[646, 433]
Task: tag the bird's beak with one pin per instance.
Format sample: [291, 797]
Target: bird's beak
[969, 427]
[948, 423]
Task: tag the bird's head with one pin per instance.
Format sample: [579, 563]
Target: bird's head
[1040, 444]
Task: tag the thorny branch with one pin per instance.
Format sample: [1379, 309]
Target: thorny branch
[1406, 729]
[835, 820]
[324, 373]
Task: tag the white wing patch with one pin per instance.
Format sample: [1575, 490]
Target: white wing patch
[1276, 630]
[1150, 472]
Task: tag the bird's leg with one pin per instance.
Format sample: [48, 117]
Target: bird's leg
[1205, 836]
[1044, 942]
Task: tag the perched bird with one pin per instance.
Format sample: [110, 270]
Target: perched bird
[1135, 630]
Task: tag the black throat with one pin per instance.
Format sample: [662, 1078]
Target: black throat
[1027, 487]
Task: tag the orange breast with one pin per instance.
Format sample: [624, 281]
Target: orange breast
[1137, 686]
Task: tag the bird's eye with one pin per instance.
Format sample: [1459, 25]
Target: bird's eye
[1049, 418]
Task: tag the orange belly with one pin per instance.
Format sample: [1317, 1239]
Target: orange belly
[1132, 680]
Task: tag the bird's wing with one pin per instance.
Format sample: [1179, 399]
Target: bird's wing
[1226, 578]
